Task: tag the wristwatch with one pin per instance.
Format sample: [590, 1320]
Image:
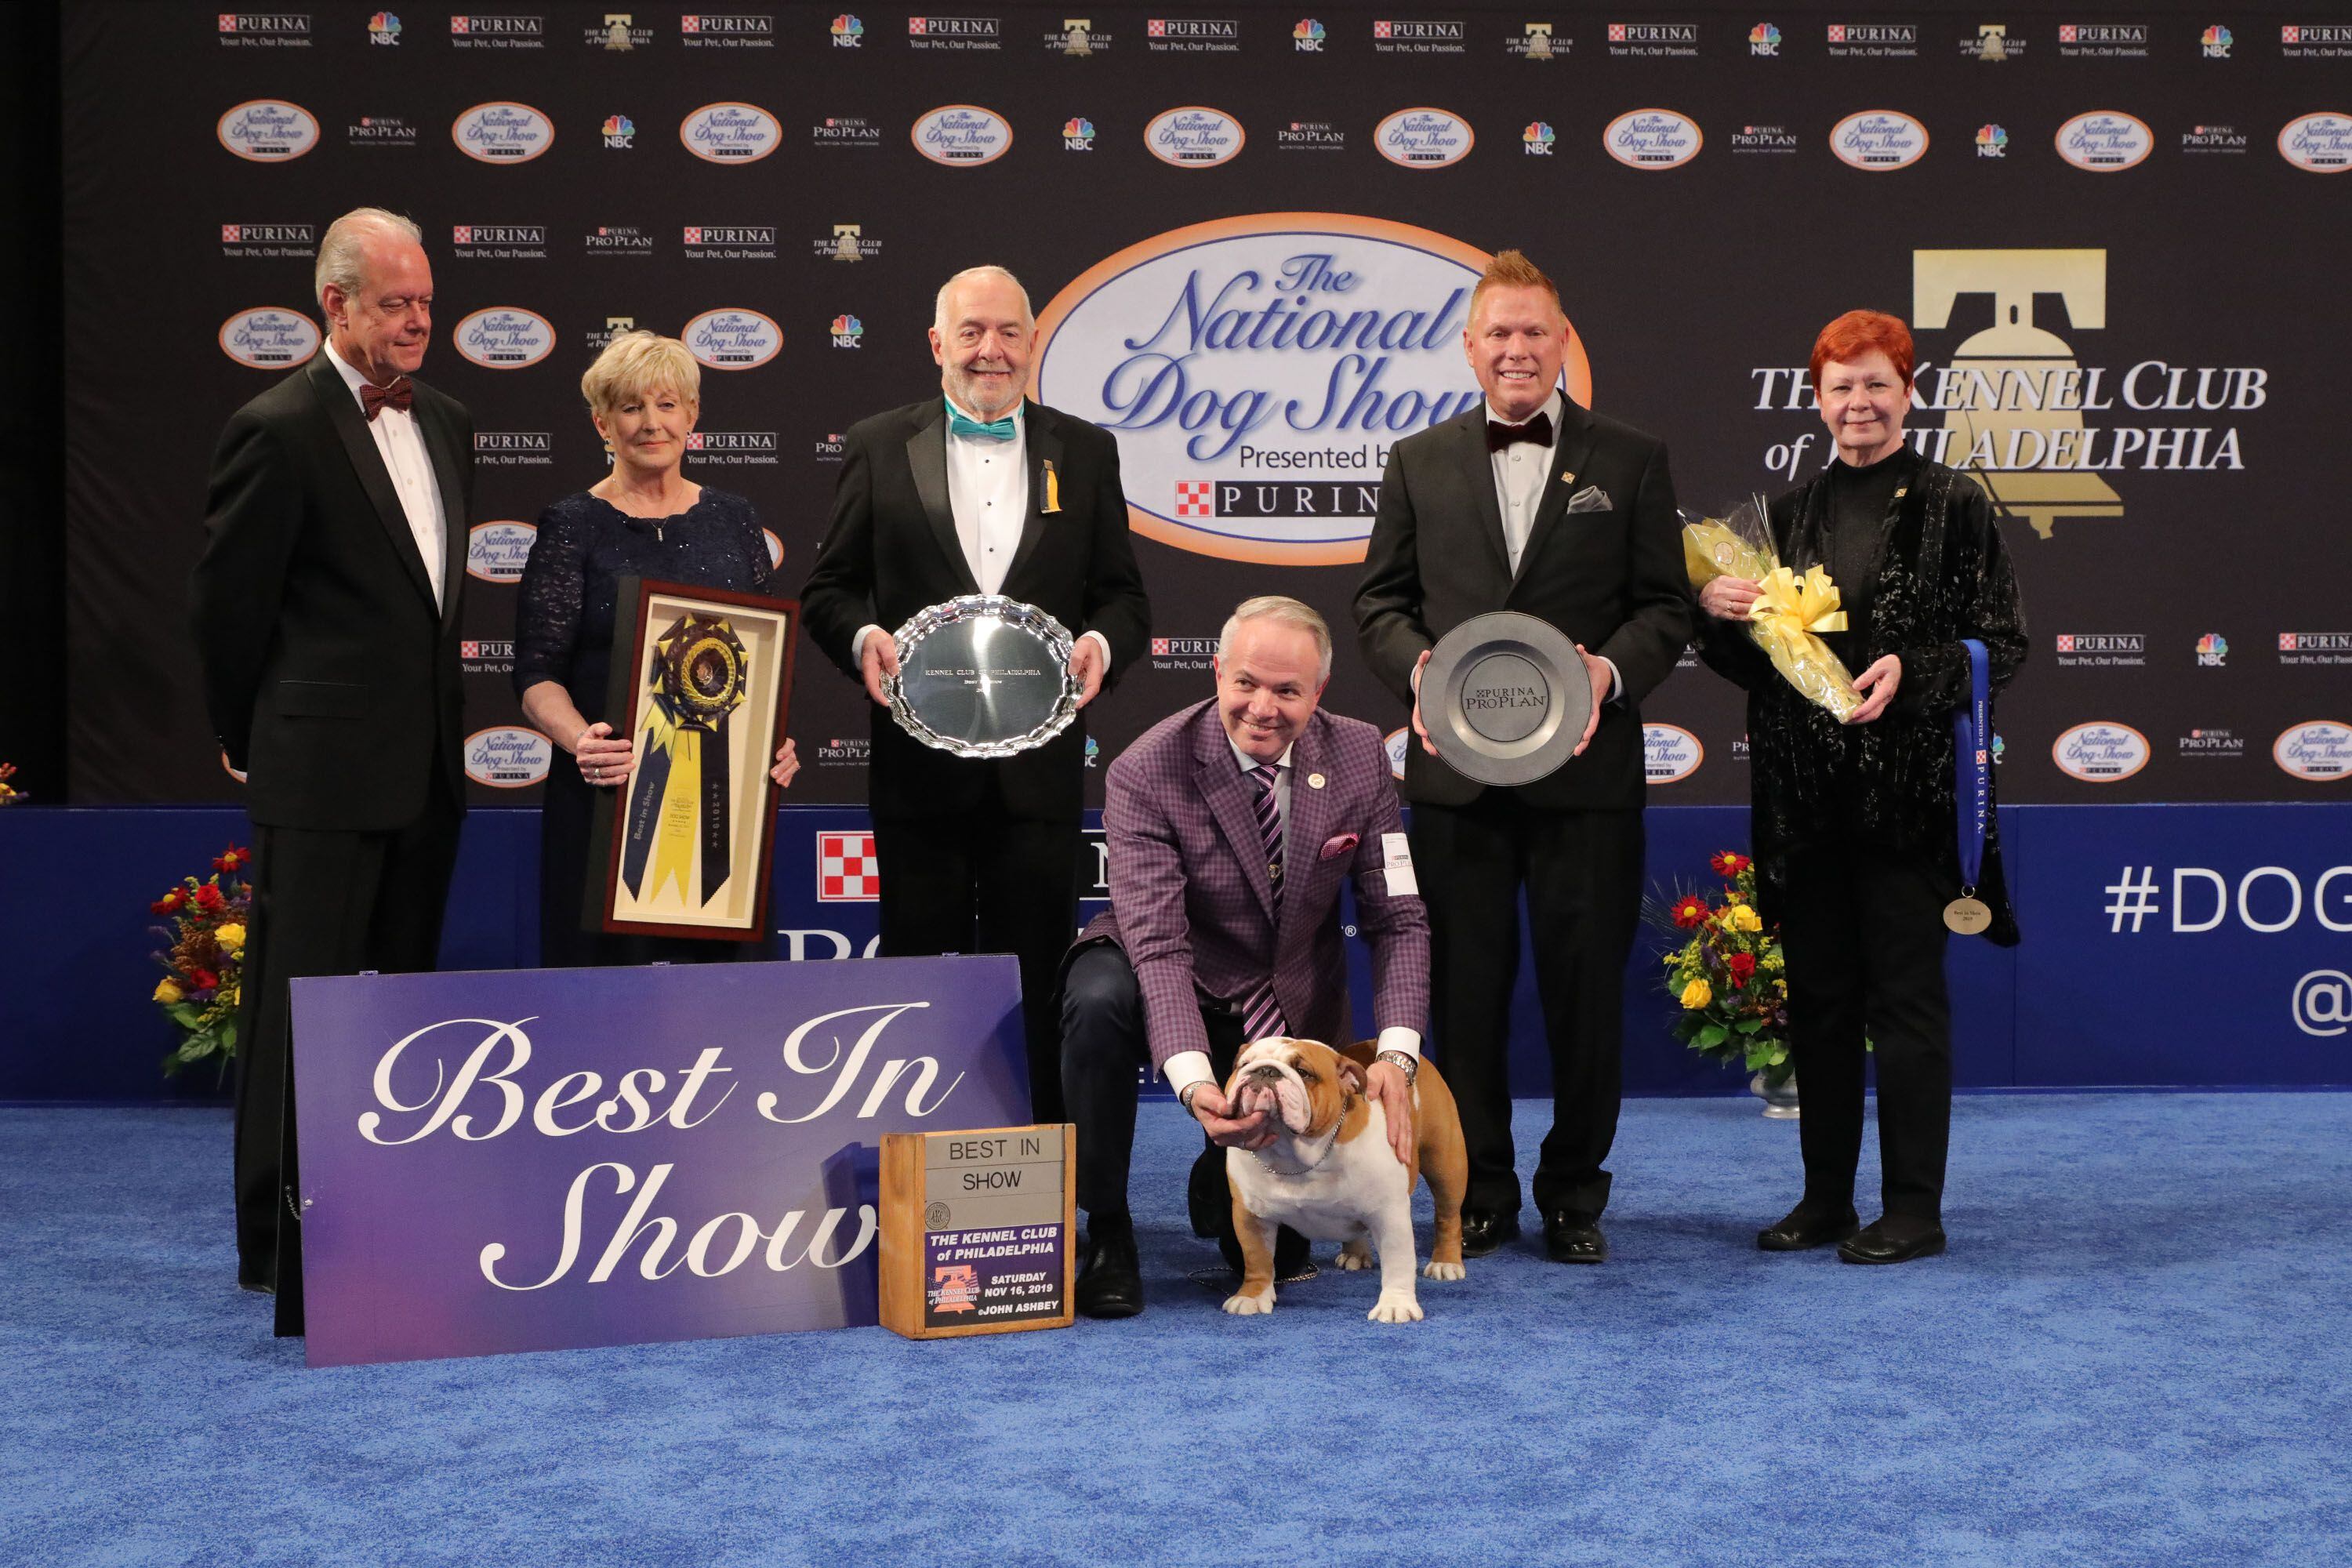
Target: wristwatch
[1406, 1064]
[1184, 1095]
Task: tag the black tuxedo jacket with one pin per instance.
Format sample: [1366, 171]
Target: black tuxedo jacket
[1612, 580]
[891, 550]
[330, 677]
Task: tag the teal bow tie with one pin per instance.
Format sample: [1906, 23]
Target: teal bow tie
[994, 430]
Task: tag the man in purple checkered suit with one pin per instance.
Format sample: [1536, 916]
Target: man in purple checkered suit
[1231, 826]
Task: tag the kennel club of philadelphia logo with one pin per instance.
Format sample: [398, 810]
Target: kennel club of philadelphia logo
[1256, 370]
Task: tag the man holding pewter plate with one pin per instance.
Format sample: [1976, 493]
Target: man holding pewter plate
[976, 505]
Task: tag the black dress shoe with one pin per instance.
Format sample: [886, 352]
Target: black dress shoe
[1573, 1238]
[1893, 1238]
[1483, 1230]
[1807, 1226]
[1110, 1279]
[1208, 1194]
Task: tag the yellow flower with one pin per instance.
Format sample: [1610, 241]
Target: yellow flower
[1697, 995]
[167, 992]
[231, 937]
[227, 997]
[1745, 918]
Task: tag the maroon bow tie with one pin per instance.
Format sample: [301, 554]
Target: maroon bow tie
[375, 399]
[1538, 429]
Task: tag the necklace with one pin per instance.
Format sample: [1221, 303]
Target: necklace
[1331, 1142]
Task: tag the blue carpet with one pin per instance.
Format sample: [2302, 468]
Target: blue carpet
[2136, 1352]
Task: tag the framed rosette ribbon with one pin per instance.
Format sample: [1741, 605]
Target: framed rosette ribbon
[700, 679]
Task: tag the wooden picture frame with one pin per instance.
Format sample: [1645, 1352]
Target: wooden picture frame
[702, 680]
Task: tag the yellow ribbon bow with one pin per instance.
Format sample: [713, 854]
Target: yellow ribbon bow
[1788, 613]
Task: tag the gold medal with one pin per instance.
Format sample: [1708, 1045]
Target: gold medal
[1968, 915]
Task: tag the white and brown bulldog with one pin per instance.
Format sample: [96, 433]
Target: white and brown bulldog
[1330, 1173]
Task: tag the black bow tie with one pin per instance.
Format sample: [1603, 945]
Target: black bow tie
[1538, 429]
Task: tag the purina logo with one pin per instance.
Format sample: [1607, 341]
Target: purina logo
[508, 757]
[2102, 41]
[263, 241]
[2315, 647]
[847, 869]
[1420, 38]
[1256, 369]
[1183, 653]
[2100, 752]
[383, 29]
[1652, 139]
[486, 656]
[2317, 144]
[1670, 754]
[1874, 40]
[961, 135]
[504, 337]
[733, 242]
[265, 29]
[732, 339]
[735, 448]
[847, 332]
[1878, 139]
[1177, 35]
[845, 131]
[848, 244]
[1310, 136]
[619, 239]
[496, 551]
[847, 31]
[619, 131]
[2216, 42]
[268, 131]
[380, 130]
[2226, 139]
[270, 337]
[1537, 139]
[830, 445]
[1777, 139]
[2101, 650]
[2212, 651]
[1653, 32]
[514, 449]
[1992, 142]
[731, 133]
[501, 132]
[1078, 134]
[2105, 142]
[726, 30]
[499, 241]
[1307, 36]
[481, 31]
[1764, 40]
[1194, 137]
[951, 27]
[1424, 138]
[2308, 42]
[2225, 744]
[2319, 749]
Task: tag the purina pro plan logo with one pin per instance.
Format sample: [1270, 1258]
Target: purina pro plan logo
[846, 871]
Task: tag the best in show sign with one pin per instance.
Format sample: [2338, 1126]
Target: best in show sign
[543, 1160]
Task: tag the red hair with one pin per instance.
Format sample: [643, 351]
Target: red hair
[1856, 334]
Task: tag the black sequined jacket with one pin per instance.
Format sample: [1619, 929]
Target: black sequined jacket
[1944, 576]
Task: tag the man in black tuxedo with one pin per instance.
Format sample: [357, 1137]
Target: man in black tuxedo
[979, 490]
[326, 628]
[1533, 504]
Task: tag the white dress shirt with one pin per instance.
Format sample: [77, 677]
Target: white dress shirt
[988, 492]
[402, 446]
[1522, 470]
[1186, 1068]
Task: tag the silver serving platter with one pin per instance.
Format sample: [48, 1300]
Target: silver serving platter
[983, 676]
[1505, 698]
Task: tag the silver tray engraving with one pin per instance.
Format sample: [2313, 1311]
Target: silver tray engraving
[983, 676]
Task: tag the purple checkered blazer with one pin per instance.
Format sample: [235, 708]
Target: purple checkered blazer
[1192, 907]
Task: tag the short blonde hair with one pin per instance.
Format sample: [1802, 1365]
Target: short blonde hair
[342, 249]
[1283, 612]
[1512, 270]
[635, 363]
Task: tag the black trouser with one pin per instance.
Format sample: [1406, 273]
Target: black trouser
[1582, 873]
[1864, 935]
[985, 882]
[324, 902]
[1104, 1048]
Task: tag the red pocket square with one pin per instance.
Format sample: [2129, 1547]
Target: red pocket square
[1335, 847]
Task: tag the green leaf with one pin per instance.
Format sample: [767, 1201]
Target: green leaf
[1712, 1036]
[186, 1014]
[1749, 1025]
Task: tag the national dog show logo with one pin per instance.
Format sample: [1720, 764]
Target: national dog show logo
[1424, 138]
[1257, 369]
[507, 757]
[268, 131]
[270, 337]
[1653, 139]
[1879, 140]
[961, 135]
[501, 132]
[1194, 137]
[2105, 141]
[495, 552]
[2101, 753]
[731, 133]
[505, 338]
[732, 337]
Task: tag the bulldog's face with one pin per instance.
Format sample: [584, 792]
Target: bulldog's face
[1302, 1085]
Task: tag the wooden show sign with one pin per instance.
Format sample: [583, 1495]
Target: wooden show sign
[978, 1230]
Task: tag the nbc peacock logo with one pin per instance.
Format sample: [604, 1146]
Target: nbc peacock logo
[1764, 38]
[1537, 138]
[618, 129]
[1992, 142]
[847, 332]
[1078, 134]
[1307, 37]
[848, 32]
[2216, 41]
[384, 29]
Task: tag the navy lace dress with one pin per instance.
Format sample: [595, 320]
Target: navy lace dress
[563, 633]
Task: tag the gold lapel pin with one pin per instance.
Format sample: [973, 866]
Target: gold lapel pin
[1314, 781]
[1567, 476]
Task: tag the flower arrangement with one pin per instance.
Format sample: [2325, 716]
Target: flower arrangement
[1727, 974]
[9, 793]
[205, 961]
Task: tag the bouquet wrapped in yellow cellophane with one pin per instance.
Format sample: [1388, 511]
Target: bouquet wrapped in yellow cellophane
[1791, 611]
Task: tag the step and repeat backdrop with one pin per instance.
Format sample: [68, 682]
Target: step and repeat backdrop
[1250, 234]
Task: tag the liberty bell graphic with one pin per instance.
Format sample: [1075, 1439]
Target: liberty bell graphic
[2015, 394]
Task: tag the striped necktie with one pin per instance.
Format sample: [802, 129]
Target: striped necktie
[1261, 1014]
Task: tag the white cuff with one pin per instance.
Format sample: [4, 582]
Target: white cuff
[1396, 1037]
[857, 643]
[1186, 1068]
[1616, 681]
[1101, 642]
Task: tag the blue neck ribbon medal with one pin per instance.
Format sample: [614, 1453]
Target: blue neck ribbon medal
[680, 795]
[1972, 792]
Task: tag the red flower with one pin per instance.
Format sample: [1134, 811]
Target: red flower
[167, 904]
[1690, 911]
[1742, 965]
[208, 899]
[203, 979]
[231, 858]
[1727, 865]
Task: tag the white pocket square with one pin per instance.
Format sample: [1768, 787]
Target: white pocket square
[1592, 498]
